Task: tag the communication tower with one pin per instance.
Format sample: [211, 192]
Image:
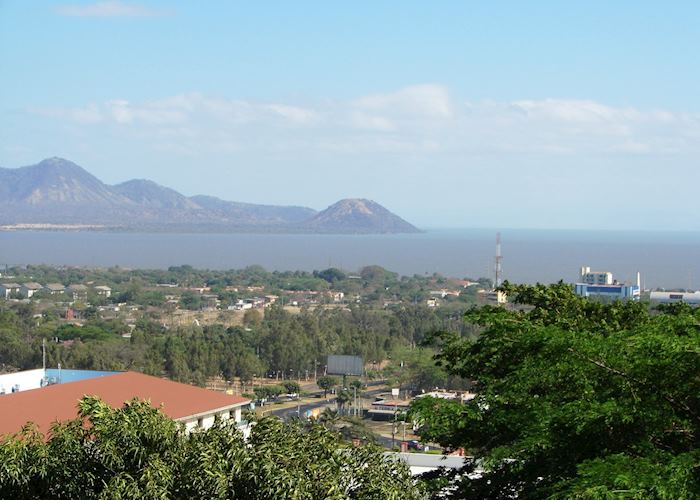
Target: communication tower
[498, 262]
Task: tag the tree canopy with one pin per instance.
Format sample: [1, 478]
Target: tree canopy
[137, 452]
[575, 399]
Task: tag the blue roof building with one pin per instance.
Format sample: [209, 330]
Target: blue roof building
[613, 292]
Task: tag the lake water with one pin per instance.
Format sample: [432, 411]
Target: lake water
[665, 259]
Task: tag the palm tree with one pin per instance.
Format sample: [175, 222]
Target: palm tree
[329, 418]
[342, 398]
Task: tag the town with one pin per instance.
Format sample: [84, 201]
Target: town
[249, 332]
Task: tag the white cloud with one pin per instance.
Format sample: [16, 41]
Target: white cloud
[107, 8]
[293, 113]
[421, 101]
[417, 119]
[89, 114]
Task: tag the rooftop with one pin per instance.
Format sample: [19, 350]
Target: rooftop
[59, 402]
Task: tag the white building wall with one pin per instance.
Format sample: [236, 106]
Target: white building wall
[669, 297]
[190, 425]
[207, 420]
[28, 379]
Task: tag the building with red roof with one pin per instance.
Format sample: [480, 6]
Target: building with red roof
[193, 406]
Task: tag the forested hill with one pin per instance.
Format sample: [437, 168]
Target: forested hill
[59, 192]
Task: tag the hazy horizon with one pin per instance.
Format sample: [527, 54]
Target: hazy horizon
[664, 260]
[458, 115]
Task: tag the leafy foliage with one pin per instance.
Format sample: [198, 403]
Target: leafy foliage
[137, 452]
[575, 399]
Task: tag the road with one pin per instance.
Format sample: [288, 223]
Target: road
[301, 409]
[297, 411]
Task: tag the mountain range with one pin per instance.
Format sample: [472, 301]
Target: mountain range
[59, 192]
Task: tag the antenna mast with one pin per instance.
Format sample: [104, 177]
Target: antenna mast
[498, 262]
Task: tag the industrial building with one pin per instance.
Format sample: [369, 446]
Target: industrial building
[613, 292]
[193, 406]
[596, 277]
[600, 284]
[671, 297]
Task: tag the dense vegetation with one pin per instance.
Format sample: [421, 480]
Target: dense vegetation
[576, 399]
[279, 344]
[137, 452]
[136, 285]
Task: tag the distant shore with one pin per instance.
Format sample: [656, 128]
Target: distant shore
[54, 227]
[665, 259]
[183, 229]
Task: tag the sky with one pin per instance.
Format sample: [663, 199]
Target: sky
[546, 114]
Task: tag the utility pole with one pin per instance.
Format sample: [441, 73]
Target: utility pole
[43, 354]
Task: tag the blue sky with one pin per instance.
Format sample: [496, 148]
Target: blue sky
[462, 113]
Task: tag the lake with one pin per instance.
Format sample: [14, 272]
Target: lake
[665, 259]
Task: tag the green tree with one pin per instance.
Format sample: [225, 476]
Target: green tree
[576, 399]
[329, 417]
[326, 383]
[331, 275]
[191, 300]
[291, 387]
[342, 398]
[252, 318]
[415, 369]
[137, 452]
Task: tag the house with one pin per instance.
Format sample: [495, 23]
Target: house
[336, 296]
[194, 407]
[466, 283]
[444, 293]
[240, 305]
[78, 292]
[256, 302]
[29, 289]
[383, 409]
[103, 291]
[210, 302]
[300, 298]
[54, 288]
[420, 463]
[492, 297]
[7, 289]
